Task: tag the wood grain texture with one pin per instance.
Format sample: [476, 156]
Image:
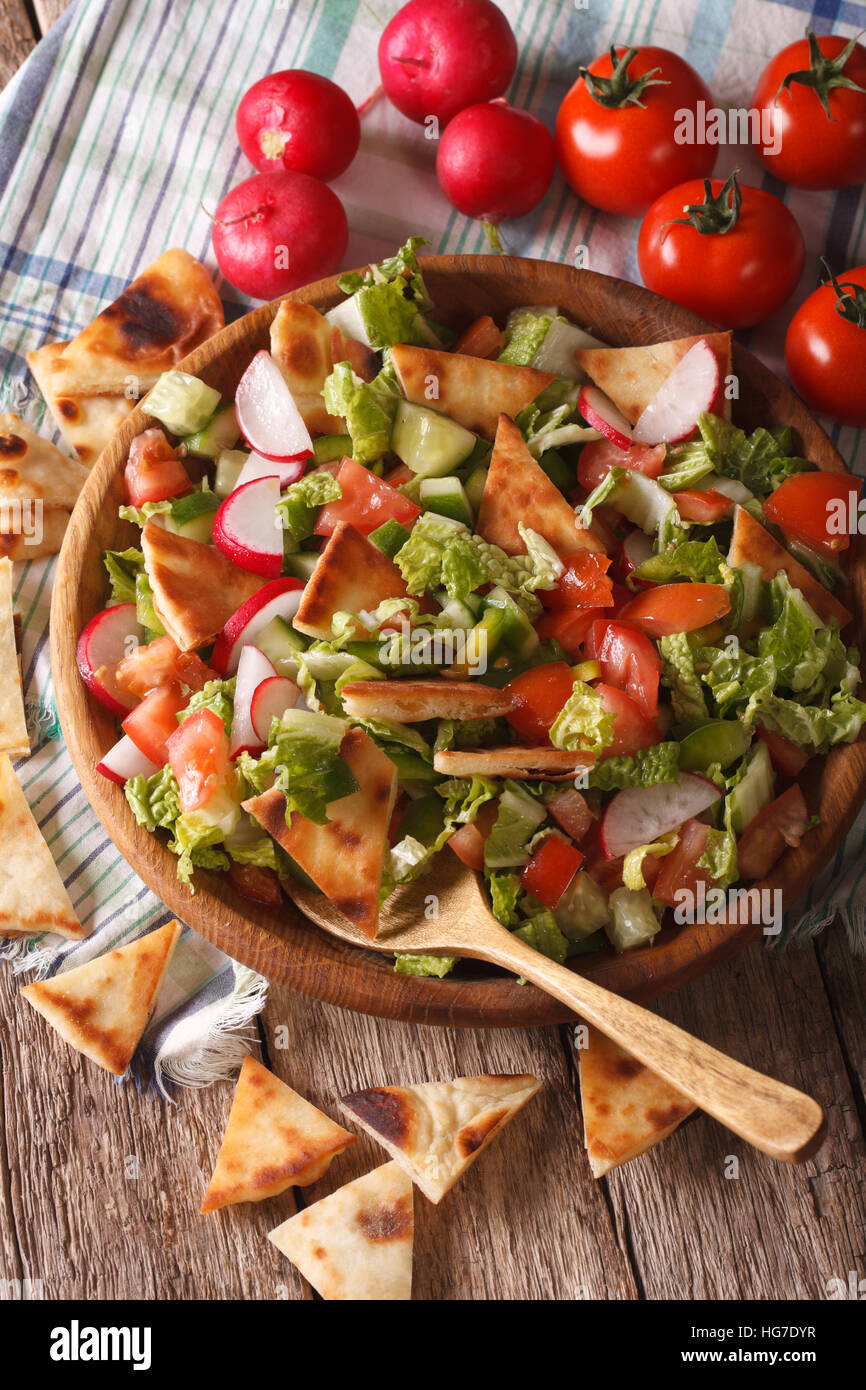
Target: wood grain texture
[48, 12]
[285, 948]
[16, 38]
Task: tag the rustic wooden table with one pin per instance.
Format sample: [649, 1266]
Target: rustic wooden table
[100, 1185]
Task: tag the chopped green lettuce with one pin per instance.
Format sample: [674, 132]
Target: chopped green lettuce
[660, 763]
[525, 331]
[368, 407]
[760, 460]
[519, 816]
[542, 933]
[299, 505]
[681, 678]
[155, 801]
[438, 966]
[215, 695]
[504, 889]
[632, 868]
[602, 493]
[123, 568]
[700, 561]
[720, 857]
[303, 760]
[583, 724]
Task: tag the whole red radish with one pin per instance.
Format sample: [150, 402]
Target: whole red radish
[495, 161]
[276, 231]
[437, 57]
[301, 121]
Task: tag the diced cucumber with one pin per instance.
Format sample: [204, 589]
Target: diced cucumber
[728, 487]
[481, 642]
[390, 537]
[192, 516]
[582, 909]
[429, 443]
[301, 564]
[722, 741]
[358, 671]
[281, 645]
[228, 470]
[181, 402]
[330, 447]
[455, 613]
[642, 501]
[327, 666]
[556, 353]
[517, 633]
[634, 920]
[369, 652]
[475, 485]
[557, 470]
[221, 432]
[446, 497]
[749, 797]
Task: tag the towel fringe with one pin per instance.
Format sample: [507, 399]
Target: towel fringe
[210, 1044]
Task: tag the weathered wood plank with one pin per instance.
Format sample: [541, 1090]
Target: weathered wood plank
[16, 38]
[48, 12]
[843, 980]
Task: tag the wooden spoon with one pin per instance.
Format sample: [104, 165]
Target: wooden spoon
[447, 913]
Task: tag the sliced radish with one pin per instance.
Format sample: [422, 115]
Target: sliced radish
[247, 529]
[599, 411]
[109, 637]
[288, 471]
[253, 668]
[123, 761]
[267, 413]
[270, 701]
[636, 548]
[673, 412]
[639, 815]
[277, 600]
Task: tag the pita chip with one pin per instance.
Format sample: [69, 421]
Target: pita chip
[195, 588]
[752, 543]
[410, 702]
[344, 857]
[32, 896]
[21, 540]
[627, 1109]
[102, 1008]
[32, 469]
[511, 762]
[352, 574]
[301, 341]
[518, 490]
[14, 739]
[92, 382]
[473, 390]
[356, 1244]
[631, 376]
[435, 1131]
[274, 1139]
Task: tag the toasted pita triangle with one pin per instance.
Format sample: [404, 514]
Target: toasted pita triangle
[410, 702]
[274, 1139]
[195, 588]
[626, 1108]
[631, 376]
[14, 738]
[91, 382]
[15, 542]
[472, 390]
[351, 574]
[436, 1130]
[511, 762]
[32, 896]
[344, 857]
[31, 468]
[301, 347]
[518, 490]
[356, 1245]
[752, 543]
[102, 1008]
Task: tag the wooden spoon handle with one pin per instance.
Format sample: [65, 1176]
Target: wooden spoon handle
[782, 1122]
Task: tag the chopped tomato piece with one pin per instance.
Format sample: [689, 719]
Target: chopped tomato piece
[650, 867]
[198, 751]
[362, 360]
[568, 627]
[583, 583]
[763, 841]
[628, 660]
[817, 509]
[785, 756]
[468, 842]
[151, 723]
[705, 507]
[367, 502]
[153, 470]
[550, 870]
[601, 455]
[258, 884]
[159, 661]
[399, 475]
[539, 695]
[680, 871]
[669, 608]
[570, 809]
[632, 729]
[481, 339]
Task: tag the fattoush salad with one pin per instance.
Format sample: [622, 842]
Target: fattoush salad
[517, 596]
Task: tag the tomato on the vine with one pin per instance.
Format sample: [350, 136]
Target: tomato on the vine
[825, 348]
[616, 129]
[729, 252]
[814, 97]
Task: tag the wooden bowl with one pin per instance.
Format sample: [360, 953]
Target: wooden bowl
[283, 945]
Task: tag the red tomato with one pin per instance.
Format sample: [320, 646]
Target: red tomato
[668, 608]
[550, 870]
[601, 455]
[151, 723]
[632, 729]
[258, 884]
[763, 841]
[825, 348]
[568, 627]
[571, 811]
[785, 756]
[399, 475]
[820, 130]
[153, 470]
[816, 508]
[629, 661]
[733, 263]
[705, 507]
[539, 694]
[582, 584]
[366, 503]
[468, 842]
[159, 661]
[616, 137]
[679, 870]
[198, 751]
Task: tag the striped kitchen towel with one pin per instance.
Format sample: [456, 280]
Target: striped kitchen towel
[112, 136]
